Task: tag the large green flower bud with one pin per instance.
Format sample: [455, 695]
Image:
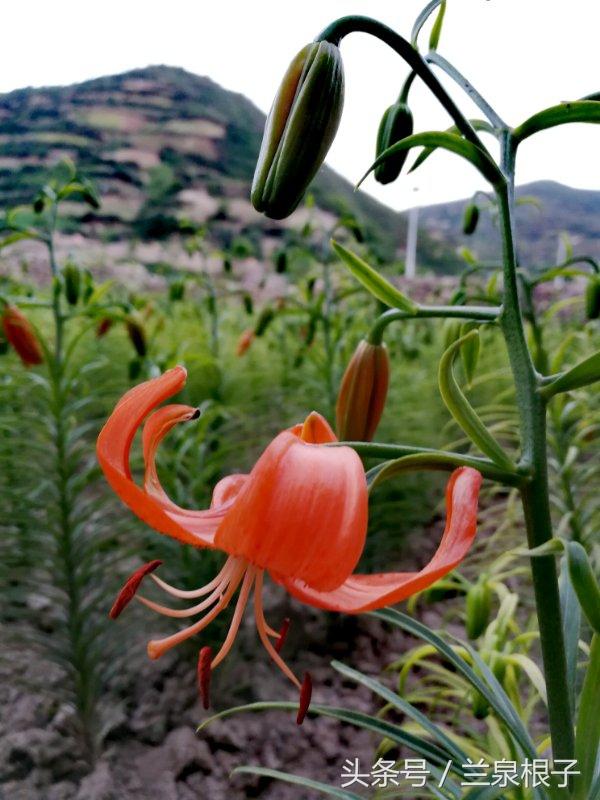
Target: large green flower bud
[299, 130]
[396, 124]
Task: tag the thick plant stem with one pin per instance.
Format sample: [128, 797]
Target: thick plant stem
[65, 544]
[535, 494]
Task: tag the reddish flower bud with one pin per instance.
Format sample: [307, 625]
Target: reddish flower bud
[103, 327]
[245, 341]
[21, 336]
[363, 393]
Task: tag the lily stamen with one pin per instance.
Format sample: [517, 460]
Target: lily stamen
[237, 617]
[184, 594]
[261, 627]
[158, 647]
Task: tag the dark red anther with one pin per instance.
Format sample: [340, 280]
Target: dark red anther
[285, 626]
[204, 672]
[305, 695]
[131, 586]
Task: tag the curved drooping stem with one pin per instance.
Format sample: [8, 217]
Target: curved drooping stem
[335, 32]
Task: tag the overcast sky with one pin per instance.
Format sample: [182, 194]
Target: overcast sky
[522, 55]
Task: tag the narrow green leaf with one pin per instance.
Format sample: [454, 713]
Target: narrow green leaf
[587, 739]
[584, 583]
[576, 111]
[298, 780]
[462, 411]
[454, 751]
[476, 124]
[447, 141]
[383, 728]
[571, 617]
[491, 689]
[377, 285]
[582, 374]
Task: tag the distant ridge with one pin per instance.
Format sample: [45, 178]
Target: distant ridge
[559, 209]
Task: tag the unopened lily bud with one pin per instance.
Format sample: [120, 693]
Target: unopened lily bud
[244, 342]
[592, 298]
[281, 262]
[176, 291]
[20, 334]
[299, 130]
[137, 336]
[363, 392]
[72, 283]
[396, 124]
[478, 609]
[264, 320]
[248, 304]
[470, 219]
[103, 327]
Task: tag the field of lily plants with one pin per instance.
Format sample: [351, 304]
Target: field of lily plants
[340, 543]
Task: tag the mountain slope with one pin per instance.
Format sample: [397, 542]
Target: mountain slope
[162, 145]
[558, 210]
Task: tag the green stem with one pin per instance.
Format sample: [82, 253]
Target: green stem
[476, 97]
[535, 493]
[483, 313]
[66, 527]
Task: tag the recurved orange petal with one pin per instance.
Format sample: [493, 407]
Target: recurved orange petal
[367, 592]
[113, 450]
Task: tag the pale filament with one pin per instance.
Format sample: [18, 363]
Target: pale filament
[261, 626]
[237, 617]
[184, 612]
[157, 647]
[227, 569]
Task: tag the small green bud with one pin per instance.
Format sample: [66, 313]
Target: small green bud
[248, 304]
[470, 219]
[281, 262]
[592, 298]
[72, 283]
[265, 318]
[396, 124]
[478, 609]
[176, 291]
[299, 130]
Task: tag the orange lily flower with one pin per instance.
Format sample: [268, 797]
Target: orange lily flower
[300, 515]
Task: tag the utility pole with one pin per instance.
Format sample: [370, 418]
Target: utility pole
[410, 269]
